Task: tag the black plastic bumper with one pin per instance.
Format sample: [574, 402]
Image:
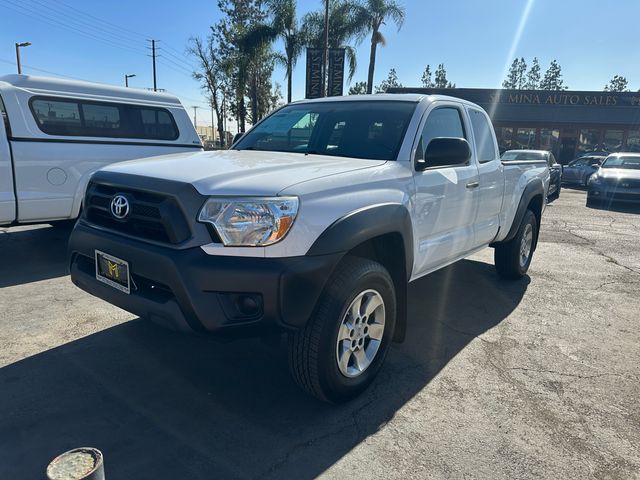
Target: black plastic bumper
[614, 195]
[192, 291]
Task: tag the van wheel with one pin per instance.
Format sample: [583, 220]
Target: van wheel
[512, 259]
[343, 346]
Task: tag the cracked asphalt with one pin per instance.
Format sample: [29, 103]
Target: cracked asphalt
[531, 379]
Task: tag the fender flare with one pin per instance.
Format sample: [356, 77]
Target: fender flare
[365, 224]
[533, 189]
[368, 223]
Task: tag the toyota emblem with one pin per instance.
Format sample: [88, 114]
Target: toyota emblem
[120, 207]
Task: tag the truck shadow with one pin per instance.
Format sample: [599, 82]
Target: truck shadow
[33, 253]
[164, 406]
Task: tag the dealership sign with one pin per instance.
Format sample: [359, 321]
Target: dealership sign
[314, 73]
[336, 72]
[569, 98]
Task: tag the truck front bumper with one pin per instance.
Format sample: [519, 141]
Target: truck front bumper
[191, 291]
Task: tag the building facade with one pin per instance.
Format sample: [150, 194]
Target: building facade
[568, 123]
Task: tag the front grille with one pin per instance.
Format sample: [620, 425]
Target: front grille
[623, 183]
[153, 216]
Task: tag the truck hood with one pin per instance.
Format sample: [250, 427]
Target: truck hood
[241, 172]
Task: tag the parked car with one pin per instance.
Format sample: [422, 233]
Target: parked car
[617, 180]
[312, 224]
[579, 171]
[555, 169]
[55, 133]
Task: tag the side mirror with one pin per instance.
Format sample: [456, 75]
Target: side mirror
[237, 137]
[445, 151]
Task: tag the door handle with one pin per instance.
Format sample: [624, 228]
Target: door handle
[473, 184]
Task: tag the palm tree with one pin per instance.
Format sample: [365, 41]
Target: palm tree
[372, 14]
[282, 24]
[344, 26]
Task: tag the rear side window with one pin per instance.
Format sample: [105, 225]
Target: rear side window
[67, 117]
[484, 138]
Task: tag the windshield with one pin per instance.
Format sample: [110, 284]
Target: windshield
[363, 129]
[622, 162]
[514, 155]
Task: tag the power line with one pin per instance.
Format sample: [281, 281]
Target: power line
[52, 21]
[73, 18]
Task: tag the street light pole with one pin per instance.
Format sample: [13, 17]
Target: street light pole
[126, 79]
[18, 46]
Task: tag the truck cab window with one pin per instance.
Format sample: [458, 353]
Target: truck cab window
[485, 147]
[442, 122]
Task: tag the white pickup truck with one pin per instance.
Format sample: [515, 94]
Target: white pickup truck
[312, 224]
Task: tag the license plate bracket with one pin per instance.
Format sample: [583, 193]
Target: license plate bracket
[113, 271]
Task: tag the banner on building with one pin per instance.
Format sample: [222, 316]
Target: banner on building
[336, 72]
[314, 73]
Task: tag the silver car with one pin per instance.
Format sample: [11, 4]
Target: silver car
[580, 170]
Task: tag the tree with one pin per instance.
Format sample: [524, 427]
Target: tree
[359, 88]
[427, 82]
[282, 24]
[441, 78]
[240, 50]
[552, 79]
[617, 84]
[533, 76]
[390, 82]
[344, 26]
[516, 77]
[370, 16]
[212, 77]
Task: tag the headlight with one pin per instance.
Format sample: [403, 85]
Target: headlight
[250, 222]
[594, 180]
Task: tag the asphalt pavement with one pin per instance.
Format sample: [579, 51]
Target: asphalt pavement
[537, 378]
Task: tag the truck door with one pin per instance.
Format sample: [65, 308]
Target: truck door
[7, 196]
[444, 210]
[490, 190]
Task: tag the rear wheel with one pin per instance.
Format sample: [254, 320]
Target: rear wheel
[512, 259]
[344, 344]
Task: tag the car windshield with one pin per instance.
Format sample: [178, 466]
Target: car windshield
[622, 162]
[357, 129]
[514, 155]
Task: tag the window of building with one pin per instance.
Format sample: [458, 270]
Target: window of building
[486, 149]
[526, 138]
[589, 141]
[67, 117]
[505, 138]
[613, 140]
[633, 141]
[549, 139]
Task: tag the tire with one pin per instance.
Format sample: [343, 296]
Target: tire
[508, 256]
[314, 351]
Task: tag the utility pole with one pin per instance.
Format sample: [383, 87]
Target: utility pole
[126, 79]
[195, 116]
[153, 56]
[325, 49]
[213, 130]
[18, 46]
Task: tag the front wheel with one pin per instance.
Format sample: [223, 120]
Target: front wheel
[343, 346]
[512, 259]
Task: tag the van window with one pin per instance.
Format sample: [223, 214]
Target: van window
[67, 117]
[484, 139]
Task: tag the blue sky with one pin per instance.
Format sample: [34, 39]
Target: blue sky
[591, 40]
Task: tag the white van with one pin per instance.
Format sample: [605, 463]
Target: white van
[55, 133]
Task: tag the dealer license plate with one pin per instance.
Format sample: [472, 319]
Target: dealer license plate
[113, 271]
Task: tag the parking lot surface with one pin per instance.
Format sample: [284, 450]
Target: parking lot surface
[533, 379]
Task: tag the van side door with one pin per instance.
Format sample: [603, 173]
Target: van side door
[491, 178]
[444, 203]
[7, 195]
